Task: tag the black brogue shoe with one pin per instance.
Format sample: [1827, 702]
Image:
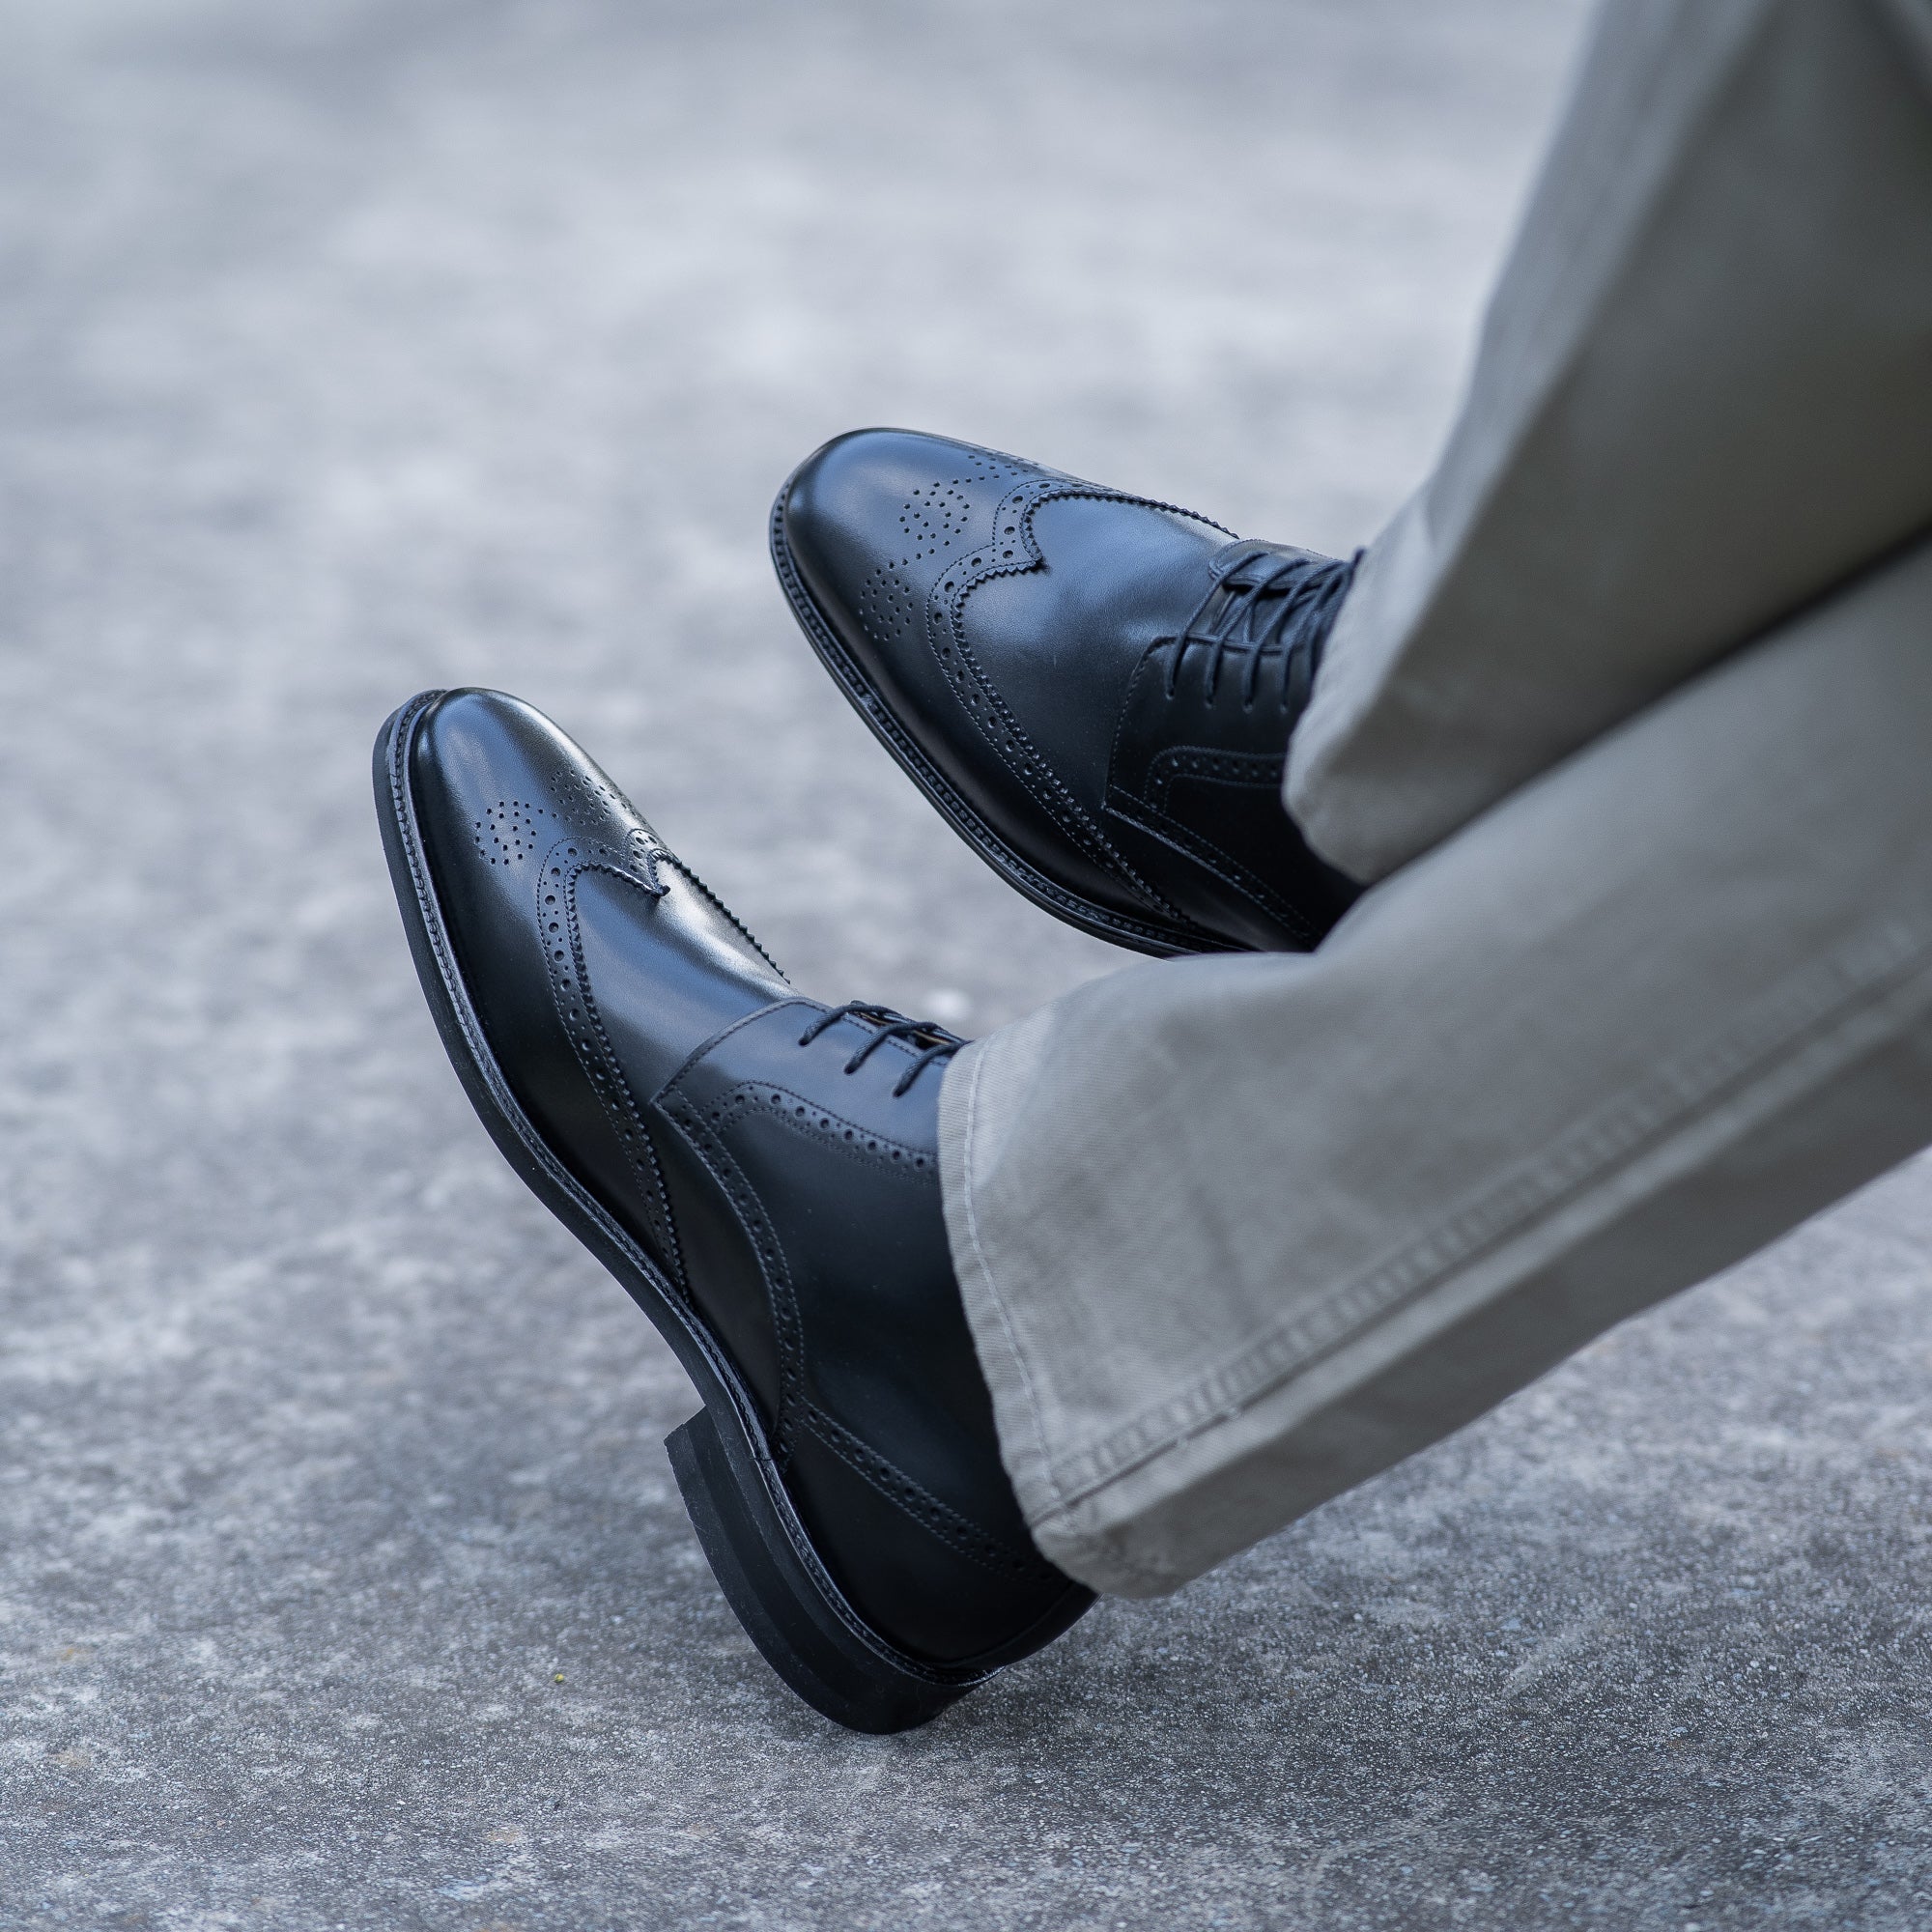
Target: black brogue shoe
[1097, 689]
[761, 1171]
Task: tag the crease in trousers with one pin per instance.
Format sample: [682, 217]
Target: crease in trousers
[1629, 721]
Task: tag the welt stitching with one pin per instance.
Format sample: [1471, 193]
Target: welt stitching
[1678, 1094]
[425, 900]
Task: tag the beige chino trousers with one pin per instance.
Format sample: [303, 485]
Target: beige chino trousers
[1630, 717]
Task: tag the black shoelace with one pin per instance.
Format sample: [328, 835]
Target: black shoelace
[1264, 604]
[934, 1041]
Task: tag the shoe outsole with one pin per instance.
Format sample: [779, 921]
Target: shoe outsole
[1163, 942]
[759, 1551]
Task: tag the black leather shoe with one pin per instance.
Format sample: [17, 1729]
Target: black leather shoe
[1097, 689]
[761, 1173]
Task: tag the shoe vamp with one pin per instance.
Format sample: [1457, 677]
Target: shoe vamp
[1059, 642]
[664, 975]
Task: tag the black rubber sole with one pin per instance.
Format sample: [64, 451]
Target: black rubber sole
[1012, 866]
[764, 1562]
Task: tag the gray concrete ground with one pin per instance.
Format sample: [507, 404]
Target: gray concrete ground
[369, 344]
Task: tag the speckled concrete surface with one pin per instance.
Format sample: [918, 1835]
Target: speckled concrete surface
[365, 345]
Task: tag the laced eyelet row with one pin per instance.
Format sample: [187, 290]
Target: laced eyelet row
[935, 1041]
[1268, 604]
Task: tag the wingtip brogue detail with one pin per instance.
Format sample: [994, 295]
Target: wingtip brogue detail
[633, 867]
[996, 660]
[760, 1170]
[1014, 549]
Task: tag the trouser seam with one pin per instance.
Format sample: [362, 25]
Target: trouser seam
[1684, 1089]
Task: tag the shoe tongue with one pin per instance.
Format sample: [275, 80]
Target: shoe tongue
[1232, 561]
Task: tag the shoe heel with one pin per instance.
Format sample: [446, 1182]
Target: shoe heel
[802, 1631]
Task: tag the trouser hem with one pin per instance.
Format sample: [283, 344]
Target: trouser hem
[1095, 1510]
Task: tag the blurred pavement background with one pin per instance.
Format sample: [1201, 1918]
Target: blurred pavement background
[366, 345]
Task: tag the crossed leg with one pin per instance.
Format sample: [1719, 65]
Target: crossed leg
[1628, 713]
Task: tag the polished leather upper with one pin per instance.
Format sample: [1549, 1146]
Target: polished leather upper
[778, 1163]
[1058, 653]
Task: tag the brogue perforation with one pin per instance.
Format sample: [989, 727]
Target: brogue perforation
[1010, 703]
